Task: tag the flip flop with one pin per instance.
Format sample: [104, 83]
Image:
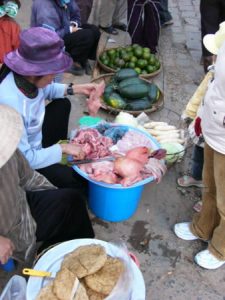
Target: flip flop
[187, 181]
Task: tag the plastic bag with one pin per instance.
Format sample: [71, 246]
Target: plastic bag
[124, 287]
[15, 289]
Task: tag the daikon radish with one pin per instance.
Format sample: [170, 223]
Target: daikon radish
[172, 140]
[159, 132]
[153, 124]
[165, 127]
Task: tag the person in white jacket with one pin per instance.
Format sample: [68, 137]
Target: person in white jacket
[209, 224]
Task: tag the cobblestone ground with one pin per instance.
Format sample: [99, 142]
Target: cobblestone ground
[166, 262]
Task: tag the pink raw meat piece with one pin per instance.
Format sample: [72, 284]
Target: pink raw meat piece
[139, 153]
[127, 181]
[155, 168]
[94, 102]
[93, 143]
[105, 177]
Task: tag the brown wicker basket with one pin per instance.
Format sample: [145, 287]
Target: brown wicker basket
[110, 70]
[157, 106]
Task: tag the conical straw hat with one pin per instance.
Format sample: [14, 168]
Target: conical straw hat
[11, 127]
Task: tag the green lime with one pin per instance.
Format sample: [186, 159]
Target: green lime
[105, 62]
[129, 48]
[150, 69]
[133, 59]
[111, 52]
[135, 46]
[131, 65]
[126, 57]
[146, 50]
[138, 52]
[141, 63]
[146, 55]
[138, 70]
[152, 59]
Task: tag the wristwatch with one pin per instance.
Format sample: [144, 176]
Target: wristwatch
[69, 90]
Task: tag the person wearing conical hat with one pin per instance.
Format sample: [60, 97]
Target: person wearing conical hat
[31, 208]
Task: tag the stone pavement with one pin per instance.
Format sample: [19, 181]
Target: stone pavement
[166, 262]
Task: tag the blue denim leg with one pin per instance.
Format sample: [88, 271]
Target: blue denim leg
[197, 162]
[164, 13]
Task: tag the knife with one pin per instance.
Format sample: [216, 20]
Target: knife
[87, 161]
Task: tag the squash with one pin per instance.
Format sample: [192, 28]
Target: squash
[153, 93]
[138, 104]
[134, 91]
[124, 74]
[115, 100]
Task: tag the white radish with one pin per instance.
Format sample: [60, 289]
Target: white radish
[165, 127]
[153, 124]
[159, 132]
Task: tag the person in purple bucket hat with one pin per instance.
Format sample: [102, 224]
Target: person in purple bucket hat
[25, 83]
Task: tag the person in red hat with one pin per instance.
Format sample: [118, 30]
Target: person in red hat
[25, 82]
[9, 29]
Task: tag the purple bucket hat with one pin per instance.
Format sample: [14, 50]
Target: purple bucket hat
[40, 53]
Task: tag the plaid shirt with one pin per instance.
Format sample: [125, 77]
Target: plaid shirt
[16, 222]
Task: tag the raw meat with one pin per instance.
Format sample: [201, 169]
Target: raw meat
[101, 171]
[94, 101]
[93, 143]
[155, 168]
[133, 139]
[140, 154]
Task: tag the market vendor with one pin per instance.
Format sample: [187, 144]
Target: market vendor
[31, 208]
[25, 82]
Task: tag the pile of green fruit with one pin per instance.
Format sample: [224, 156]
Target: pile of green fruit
[135, 57]
[126, 91]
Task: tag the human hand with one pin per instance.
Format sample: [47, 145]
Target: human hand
[85, 88]
[74, 29]
[6, 249]
[74, 150]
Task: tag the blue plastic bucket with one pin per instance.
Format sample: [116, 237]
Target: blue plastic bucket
[113, 202]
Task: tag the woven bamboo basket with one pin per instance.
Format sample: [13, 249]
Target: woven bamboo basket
[156, 106]
[111, 70]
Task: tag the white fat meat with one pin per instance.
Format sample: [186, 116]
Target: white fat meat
[133, 139]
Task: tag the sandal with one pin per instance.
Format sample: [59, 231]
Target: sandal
[187, 181]
[110, 30]
[198, 206]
